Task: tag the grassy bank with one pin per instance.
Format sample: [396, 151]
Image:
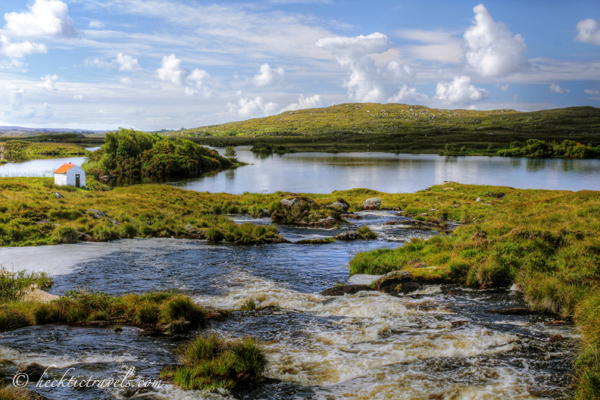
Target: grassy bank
[547, 242]
[21, 148]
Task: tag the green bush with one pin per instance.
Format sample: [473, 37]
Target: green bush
[65, 234]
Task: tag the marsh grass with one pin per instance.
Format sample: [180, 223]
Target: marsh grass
[13, 285]
[210, 363]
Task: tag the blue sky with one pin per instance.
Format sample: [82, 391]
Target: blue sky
[153, 64]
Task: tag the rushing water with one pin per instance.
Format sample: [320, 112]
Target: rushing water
[363, 346]
[386, 172]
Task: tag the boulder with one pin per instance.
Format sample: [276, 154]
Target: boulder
[396, 282]
[344, 289]
[341, 204]
[371, 204]
[348, 236]
[327, 223]
[289, 203]
[33, 371]
[189, 228]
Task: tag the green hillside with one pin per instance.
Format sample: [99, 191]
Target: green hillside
[405, 128]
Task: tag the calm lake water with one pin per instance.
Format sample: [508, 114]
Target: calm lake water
[386, 172]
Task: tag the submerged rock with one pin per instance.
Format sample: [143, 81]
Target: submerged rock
[348, 236]
[371, 204]
[33, 371]
[345, 289]
[351, 216]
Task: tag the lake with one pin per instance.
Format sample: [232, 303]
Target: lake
[386, 172]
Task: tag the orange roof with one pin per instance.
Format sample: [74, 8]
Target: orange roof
[64, 168]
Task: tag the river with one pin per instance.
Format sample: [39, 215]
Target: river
[443, 342]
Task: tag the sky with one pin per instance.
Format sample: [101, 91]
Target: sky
[168, 64]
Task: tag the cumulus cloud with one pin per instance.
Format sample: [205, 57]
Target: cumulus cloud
[554, 88]
[127, 63]
[78, 97]
[98, 63]
[268, 76]
[367, 82]
[248, 107]
[592, 92]
[306, 102]
[588, 32]
[48, 82]
[408, 95]
[459, 91]
[491, 48]
[19, 49]
[192, 82]
[126, 81]
[44, 18]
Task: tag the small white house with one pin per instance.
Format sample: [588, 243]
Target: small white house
[69, 175]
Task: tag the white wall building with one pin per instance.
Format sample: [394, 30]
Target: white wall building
[69, 175]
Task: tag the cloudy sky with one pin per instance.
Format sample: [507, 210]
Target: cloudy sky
[154, 64]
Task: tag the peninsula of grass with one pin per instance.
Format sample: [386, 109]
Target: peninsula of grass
[402, 128]
[25, 149]
[137, 154]
[210, 363]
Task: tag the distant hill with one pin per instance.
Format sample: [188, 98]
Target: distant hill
[360, 118]
[19, 131]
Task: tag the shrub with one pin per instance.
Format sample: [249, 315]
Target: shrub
[366, 233]
[127, 230]
[66, 234]
[214, 235]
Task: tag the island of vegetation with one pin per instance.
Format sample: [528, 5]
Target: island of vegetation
[137, 154]
[404, 128]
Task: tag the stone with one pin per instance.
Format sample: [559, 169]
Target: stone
[264, 213]
[351, 216]
[459, 323]
[189, 228]
[137, 392]
[424, 215]
[478, 200]
[345, 289]
[98, 214]
[348, 236]
[33, 371]
[371, 204]
[556, 338]
[327, 223]
[42, 221]
[285, 203]
[515, 311]
[341, 204]
[58, 195]
[396, 282]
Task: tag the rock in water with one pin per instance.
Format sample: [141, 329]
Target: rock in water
[371, 204]
[33, 371]
[341, 204]
[328, 222]
[348, 236]
[344, 289]
[397, 282]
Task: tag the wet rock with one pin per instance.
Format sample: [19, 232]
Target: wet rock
[34, 371]
[344, 289]
[555, 339]
[350, 216]
[215, 315]
[450, 293]
[84, 237]
[371, 204]
[515, 311]
[557, 323]
[458, 323]
[341, 204]
[137, 392]
[348, 236]
[396, 282]
[264, 213]
[327, 223]
[289, 203]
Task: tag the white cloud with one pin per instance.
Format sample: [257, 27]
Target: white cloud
[268, 76]
[492, 50]
[588, 31]
[19, 50]
[48, 82]
[127, 63]
[408, 95]
[459, 91]
[248, 107]
[554, 88]
[95, 24]
[172, 71]
[126, 81]
[592, 92]
[98, 63]
[45, 18]
[306, 102]
[78, 97]
[367, 82]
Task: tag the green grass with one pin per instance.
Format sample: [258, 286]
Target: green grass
[162, 310]
[26, 148]
[14, 284]
[211, 363]
[395, 128]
